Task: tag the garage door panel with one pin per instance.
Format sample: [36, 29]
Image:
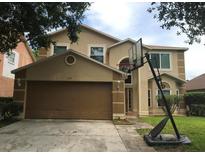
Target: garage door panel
[74, 100]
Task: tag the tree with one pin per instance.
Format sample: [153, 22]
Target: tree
[32, 21]
[188, 16]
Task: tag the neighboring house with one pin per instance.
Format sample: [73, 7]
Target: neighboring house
[136, 97]
[197, 84]
[20, 56]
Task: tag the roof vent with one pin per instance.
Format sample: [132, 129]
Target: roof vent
[70, 60]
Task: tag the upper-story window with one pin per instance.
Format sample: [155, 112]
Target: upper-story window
[97, 53]
[11, 58]
[160, 60]
[59, 49]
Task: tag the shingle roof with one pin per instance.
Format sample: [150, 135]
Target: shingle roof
[151, 47]
[196, 83]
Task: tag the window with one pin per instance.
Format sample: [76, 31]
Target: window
[124, 66]
[160, 60]
[97, 53]
[155, 60]
[59, 49]
[11, 58]
[177, 92]
[149, 97]
[166, 93]
[70, 60]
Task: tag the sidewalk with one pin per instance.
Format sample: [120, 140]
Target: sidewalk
[132, 140]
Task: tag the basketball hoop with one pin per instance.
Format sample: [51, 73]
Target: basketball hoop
[155, 137]
[136, 55]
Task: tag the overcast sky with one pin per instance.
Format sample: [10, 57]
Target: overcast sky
[131, 19]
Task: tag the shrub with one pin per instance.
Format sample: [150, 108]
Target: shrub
[6, 99]
[8, 108]
[196, 103]
[173, 101]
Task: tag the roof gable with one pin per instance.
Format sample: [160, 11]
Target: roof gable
[121, 42]
[172, 77]
[91, 29]
[41, 61]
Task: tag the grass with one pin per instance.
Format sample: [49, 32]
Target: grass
[193, 127]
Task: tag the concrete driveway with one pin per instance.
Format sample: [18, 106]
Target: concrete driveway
[61, 135]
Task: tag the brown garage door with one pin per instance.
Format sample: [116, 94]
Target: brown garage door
[72, 100]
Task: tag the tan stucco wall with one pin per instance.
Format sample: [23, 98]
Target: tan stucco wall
[173, 64]
[118, 53]
[87, 38]
[154, 108]
[143, 77]
[57, 70]
[82, 70]
[181, 66]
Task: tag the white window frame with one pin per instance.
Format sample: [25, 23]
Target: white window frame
[59, 44]
[170, 59]
[97, 45]
[12, 63]
[8, 66]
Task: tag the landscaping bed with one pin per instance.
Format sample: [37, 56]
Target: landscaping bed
[193, 127]
[6, 122]
[122, 122]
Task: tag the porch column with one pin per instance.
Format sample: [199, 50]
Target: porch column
[118, 99]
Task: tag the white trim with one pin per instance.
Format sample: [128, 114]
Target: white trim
[121, 42]
[161, 52]
[68, 62]
[98, 45]
[8, 66]
[59, 44]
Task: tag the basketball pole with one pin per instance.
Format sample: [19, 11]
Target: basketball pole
[163, 97]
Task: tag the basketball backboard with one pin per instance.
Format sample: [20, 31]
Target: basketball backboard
[136, 55]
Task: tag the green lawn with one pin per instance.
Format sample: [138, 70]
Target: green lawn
[193, 127]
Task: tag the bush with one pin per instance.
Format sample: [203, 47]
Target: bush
[8, 108]
[197, 110]
[173, 101]
[6, 99]
[196, 103]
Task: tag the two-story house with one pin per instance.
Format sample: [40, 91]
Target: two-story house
[138, 95]
[18, 57]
